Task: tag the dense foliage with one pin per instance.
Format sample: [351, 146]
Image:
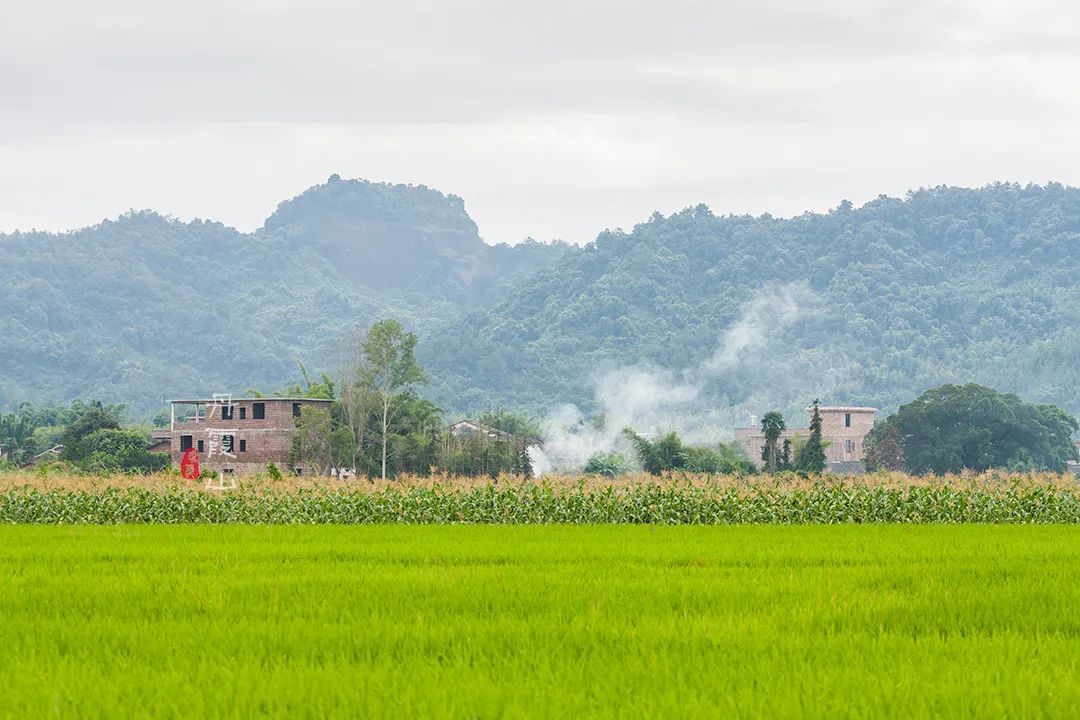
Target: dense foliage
[969, 426]
[379, 425]
[866, 306]
[810, 454]
[607, 464]
[668, 453]
[86, 435]
[144, 307]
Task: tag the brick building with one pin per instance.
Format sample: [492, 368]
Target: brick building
[239, 436]
[842, 428]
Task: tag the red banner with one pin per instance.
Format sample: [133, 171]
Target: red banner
[189, 466]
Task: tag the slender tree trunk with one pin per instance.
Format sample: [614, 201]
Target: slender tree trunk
[385, 431]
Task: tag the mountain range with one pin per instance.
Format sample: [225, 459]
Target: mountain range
[732, 314]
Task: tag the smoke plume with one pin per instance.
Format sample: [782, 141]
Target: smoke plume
[653, 401]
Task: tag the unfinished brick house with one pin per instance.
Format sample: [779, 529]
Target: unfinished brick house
[843, 428]
[239, 436]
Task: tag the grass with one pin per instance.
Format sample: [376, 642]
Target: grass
[519, 621]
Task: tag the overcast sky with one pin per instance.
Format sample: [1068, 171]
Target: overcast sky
[553, 118]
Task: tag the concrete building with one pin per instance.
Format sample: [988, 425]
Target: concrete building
[467, 429]
[472, 428]
[238, 436]
[160, 442]
[843, 428]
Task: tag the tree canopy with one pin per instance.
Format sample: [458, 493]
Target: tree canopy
[944, 285]
[953, 427]
[668, 452]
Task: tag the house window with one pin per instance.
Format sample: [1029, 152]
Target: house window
[200, 446]
[243, 445]
[258, 411]
[298, 470]
[185, 443]
[227, 471]
[226, 412]
[851, 446]
[227, 444]
[296, 409]
[847, 419]
[243, 413]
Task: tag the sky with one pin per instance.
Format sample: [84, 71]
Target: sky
[552, 119]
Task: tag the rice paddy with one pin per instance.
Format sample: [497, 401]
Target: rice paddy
[539, 621]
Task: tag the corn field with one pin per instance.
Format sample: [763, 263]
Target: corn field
[674, 500]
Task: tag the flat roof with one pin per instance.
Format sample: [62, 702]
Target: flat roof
[211, 401]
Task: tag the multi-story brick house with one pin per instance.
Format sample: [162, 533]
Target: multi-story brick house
[842, 428]
[239, 436]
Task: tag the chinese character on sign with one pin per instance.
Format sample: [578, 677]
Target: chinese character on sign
[222, 401]
[189, 466]
[220, 442]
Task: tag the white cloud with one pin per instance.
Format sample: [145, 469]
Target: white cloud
[553, 120]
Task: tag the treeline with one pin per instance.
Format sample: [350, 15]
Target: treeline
[947, 429]
[86, 435]
[79, 306]
[379, 425]
[889, 298]
[956, 427]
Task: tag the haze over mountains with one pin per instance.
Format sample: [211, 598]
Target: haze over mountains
[723, 315]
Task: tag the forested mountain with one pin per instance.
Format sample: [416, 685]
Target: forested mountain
[868, 306]
[145, 308]
[410, 240]
[865, 305]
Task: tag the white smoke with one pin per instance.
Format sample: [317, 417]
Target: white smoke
[762, 318]
[653, 402]
[647, 400]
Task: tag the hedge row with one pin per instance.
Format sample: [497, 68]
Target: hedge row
[539, 504]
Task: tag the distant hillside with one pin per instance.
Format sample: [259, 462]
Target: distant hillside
[869, 305]
[144, 307]
[409, 239]
[865, 305]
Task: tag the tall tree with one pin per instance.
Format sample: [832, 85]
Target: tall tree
[391, 371]
[77, 435]
[785, 455]
[883, 448]
[952, 427]
[665, 453]
[17, 435]
[314, 437]
[772, 427]
[810, 459]
[355, 399]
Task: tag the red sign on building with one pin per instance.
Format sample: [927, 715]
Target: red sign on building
[189, 466]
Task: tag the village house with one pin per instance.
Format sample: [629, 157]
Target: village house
[472, 428]
[239, 436]
[160, 442]
[843, 430]
[466, 429]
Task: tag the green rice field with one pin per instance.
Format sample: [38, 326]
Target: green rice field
[539, 621]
